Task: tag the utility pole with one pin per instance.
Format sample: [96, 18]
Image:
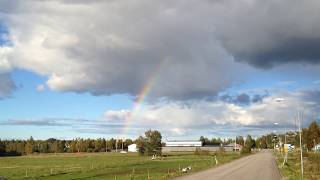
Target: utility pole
[301, 158]
[285, 135]
[116, 145]
[122, 144]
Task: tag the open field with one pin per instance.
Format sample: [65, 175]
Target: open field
[292, 170]
[105, 165]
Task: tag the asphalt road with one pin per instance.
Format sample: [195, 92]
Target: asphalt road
[260, 166]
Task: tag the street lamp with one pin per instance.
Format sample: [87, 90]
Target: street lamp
[298, 116]
[278, 135]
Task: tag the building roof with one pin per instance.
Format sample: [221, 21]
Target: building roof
[185, 141]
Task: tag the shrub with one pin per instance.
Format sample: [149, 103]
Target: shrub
[245, 150]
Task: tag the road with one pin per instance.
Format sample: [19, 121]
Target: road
[260, 166]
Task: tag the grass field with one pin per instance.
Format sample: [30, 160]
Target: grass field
[105, 165]
[292, 170]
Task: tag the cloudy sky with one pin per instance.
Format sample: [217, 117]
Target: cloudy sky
[115, 68]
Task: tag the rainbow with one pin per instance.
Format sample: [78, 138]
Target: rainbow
[142, 95]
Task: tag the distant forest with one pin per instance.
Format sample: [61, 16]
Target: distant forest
[310, 137]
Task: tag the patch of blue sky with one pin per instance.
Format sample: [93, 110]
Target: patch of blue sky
[28, 103]
[272, 80]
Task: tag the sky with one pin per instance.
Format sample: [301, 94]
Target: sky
[100, 68]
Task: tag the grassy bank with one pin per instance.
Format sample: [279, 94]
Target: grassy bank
[105, 165]
[292, 170]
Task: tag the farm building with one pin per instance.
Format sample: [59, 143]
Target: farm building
[132, 148]
[183, 144]
[236, 147]
[191, 146]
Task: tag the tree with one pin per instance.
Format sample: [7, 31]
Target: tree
[2, 147]
[111, 144]
[73, 146]
[250, 143]
[29, 149]
[150, 144]
[240, 140]
[313, 135]
[127, 142]
[262, 142]
[141, 143]
[305, 137]
[153, 142]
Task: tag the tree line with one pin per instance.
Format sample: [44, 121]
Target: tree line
[22, 147]
[149, 144]
[310, 137]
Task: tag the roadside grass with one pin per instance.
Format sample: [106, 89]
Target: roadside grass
[106, 165]
[292, 169]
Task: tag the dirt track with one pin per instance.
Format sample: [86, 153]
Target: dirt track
[260, 166]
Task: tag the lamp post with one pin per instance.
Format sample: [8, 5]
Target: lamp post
[275, 136]
[300, 141]
[301, 158]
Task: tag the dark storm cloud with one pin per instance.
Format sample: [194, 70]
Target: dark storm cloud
[242, 98]
[304, 51]
[268, 33]
[185, 49]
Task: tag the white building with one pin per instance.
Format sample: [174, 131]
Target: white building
[132, 148]
[183, 144]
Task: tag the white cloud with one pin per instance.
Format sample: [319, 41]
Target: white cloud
[204, 117]
[80, 50]
[5, 65]
[119, 52]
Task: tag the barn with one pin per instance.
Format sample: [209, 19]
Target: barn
[183, 144]
[191, 146]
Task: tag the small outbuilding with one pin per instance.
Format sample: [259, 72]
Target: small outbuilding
[317, 148]
[132, 148]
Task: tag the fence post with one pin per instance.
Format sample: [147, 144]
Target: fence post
[215, 157]
[26, 173]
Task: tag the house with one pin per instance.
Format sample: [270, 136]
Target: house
[132, 148]
[233, 146]
[317, 148]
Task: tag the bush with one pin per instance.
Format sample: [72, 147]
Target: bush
[305, 154]
[245, 150]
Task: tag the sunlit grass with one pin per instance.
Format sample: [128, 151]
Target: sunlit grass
[105, 165]
[292, 169]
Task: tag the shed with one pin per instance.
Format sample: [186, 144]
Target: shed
[132, 148]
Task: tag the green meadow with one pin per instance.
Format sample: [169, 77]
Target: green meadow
[106, 165]
[292, 169]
